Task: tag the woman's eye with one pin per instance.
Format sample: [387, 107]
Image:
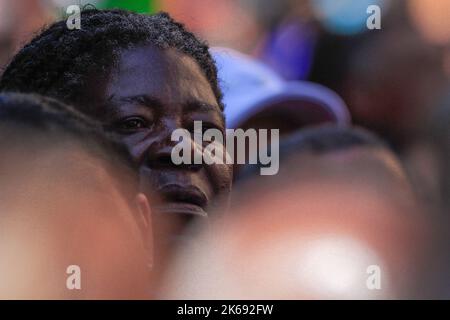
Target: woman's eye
[132, 124]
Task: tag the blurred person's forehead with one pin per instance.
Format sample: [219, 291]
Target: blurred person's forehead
[379, 157]
[364, 160]
[62, 184]
[80, 160]
[60, 166]
[372, 166]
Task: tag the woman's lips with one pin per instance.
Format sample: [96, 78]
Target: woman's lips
[177, 198]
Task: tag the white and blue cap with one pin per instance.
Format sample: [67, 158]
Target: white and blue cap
[249, 87]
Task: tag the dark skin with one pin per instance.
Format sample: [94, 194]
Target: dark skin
[150, 93]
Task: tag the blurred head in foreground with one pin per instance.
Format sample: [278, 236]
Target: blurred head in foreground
[335, 224]
[68, 197]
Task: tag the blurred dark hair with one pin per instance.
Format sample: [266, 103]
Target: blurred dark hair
[319, 140]
[328, 138]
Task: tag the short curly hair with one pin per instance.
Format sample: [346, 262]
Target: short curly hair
[59, 62]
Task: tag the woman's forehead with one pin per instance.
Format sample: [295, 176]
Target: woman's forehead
[163, 73]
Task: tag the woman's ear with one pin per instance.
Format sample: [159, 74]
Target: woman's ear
[144, 216]
[143, 210]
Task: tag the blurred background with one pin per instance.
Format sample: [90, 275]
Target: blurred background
[390, 78]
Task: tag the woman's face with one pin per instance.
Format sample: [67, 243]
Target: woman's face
[149, 94]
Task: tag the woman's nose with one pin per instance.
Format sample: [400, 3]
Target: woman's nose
[160, 153]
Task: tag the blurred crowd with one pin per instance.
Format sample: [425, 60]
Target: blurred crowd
[359, 208]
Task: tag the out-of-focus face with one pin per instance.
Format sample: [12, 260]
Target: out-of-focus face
[318, 240]
[328, 228]
[62, 208]
[147, 96]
